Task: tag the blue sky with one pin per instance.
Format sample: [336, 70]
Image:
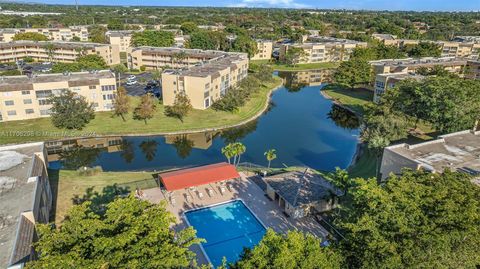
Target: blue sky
[418, 5]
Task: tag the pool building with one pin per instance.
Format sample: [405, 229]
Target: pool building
[229, 209]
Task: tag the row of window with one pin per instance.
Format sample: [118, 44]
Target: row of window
[28, 111]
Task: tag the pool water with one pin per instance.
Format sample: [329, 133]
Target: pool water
[227, 228]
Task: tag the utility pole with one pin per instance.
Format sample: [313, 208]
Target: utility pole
[76, 4]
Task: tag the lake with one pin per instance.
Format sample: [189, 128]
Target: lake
[303, 126]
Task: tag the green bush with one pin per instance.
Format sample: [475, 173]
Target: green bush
[142, 68]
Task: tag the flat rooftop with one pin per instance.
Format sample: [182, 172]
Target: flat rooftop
[16, 194]
[57, 44]
[7, 82]
[458, 151]
[333, 40]
[299, 188]
[168, 51]
[420, 61]
[403, 75]
[211, 67]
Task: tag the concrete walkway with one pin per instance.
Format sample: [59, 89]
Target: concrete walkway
[244, 188]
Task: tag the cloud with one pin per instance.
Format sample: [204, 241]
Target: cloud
[270, 3]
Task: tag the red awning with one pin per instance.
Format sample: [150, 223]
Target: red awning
[202, 175]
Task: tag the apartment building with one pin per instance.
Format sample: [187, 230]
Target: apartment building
[207, 81]
[27, 97]
[121, 39]
[25, 200]
[264, 50]
[384, 82]
[105, 143]
[53, 34]
[58, 51]
[153, 58]
[457, 152]
[451, 64]
[323, 49]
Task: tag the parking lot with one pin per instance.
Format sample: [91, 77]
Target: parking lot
[28, 67]
[136, 89]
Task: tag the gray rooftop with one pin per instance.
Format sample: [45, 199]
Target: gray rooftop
[403, 75]
[426, 61]
[458, 151]
[332, 40]
[299, 189]
[17, 164]
[56, 44]
[12, 83]
[196, 53]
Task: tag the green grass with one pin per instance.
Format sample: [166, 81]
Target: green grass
[106, 124]
[365, 166]
[68, 185]
[355, 99]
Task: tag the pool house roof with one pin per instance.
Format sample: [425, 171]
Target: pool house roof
[202, 175]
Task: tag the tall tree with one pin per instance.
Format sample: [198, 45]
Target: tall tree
[70, 110]
[149, 148]
[30, 36]
[416, 220]
[132, 233]
[295, 55]
[145, 109]
[244, 43]
[188, 27]
[121, 104]
[424, 49]
[353, 72]
[271, 155]
[180, 108]
[96, 34]
[153, 38]
[293, 250]
[228, 151]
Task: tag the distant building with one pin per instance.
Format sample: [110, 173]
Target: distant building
[457, 151]
[300, 194]
[122, 39]
[207, 80]
[265, 49]
[386, 81]
[60, 51]
[107, 143]
[24, 97]
[53, 34]
[25, 201]
[323, 49]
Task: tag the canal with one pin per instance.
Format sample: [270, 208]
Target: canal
[303, 126]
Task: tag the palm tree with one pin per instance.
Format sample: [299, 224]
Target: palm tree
[228, 151]
[271, 155]
[50, 50]
[239, 150]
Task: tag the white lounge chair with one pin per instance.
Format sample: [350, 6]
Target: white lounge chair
[172, 200]
[210, 192]
[222, 190]
[200, 195]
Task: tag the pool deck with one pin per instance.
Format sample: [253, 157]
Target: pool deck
[267, 211]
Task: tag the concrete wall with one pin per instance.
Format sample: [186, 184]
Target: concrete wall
[393, 162]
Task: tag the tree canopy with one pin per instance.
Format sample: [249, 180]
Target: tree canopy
[130, 234]
[353, 72]
[70, 110]
[424, 49]
[153, 38]
[244, 43]
[84, 62]
[208, 40]
[30, 36]
[417, 220]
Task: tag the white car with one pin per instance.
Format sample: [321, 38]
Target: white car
[131, 82]
[131, 77]
[46, 63]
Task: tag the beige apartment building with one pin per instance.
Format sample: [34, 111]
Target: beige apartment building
[153, 58]
[323, 49]
[206, 82]
[121, 39]
[53, 34]
[451, 64]
[58, 51]
[25, 201]
[27, 97]
[107, 143]
[264, 50]
[384, 82]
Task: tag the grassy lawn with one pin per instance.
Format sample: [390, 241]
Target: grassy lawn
[69, 187]
[106, 124]
[365, 165]
[355, 99]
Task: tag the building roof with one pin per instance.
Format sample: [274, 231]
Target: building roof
[426, 61]
[76, 79]
[302, 188]
[332, 40]
[18, 163]
[56, 44]
[402, 75]
[191, 177]
[457, 151]
[211, 67]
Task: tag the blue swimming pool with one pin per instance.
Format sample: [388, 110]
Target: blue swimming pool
[228, 228]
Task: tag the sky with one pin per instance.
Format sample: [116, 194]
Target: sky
[417, 5]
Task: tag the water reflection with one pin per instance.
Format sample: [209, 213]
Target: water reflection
[236, 134]
[295, 81]
[343, 117]
[149, 149]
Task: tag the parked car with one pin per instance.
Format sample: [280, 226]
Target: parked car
[131, 77]
[46, 63]
[46, 70]
[131, 82]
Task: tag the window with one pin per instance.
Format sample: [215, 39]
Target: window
[92, 87]
[207, 102]
[12, 113]
[9, 103]
[25, 92]
[109, 96]
[29, 111]
[108, 87]
[27, 101]
[44, 102]
[43, 93]
[45, 112]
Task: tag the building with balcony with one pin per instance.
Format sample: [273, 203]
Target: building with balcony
[264, 50]
[384, 82]
[25, 201]
[53, 34]
[322, 49]
[58, 51]
[121, 39]
[205, 81]
[27, 97]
